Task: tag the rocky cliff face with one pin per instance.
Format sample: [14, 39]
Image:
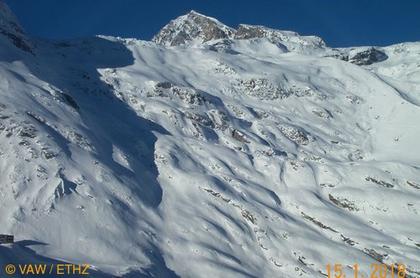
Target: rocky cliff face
[366, 56]
[192, 27]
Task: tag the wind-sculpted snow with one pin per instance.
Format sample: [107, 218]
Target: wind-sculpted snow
[151, 161]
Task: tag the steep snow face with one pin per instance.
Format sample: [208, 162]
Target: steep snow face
[10, 28]
[190, 28]
[234, 159]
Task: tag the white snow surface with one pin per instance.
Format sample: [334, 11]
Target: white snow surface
[231, 159]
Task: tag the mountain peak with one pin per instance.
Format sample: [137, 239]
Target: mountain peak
[195, 27]
[195, 13]
[191, 27]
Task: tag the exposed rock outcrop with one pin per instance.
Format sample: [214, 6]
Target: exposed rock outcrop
[367, 57]
[192, 27]
[197, 28]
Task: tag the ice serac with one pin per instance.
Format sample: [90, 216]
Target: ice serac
[11, 30]
[192, 27]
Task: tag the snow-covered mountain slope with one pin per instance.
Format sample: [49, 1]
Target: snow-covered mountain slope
[229, 157]
[10, 28]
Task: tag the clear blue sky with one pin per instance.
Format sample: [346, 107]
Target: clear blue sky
[339, 23]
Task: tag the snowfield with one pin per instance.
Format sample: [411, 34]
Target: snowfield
[209, 152]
